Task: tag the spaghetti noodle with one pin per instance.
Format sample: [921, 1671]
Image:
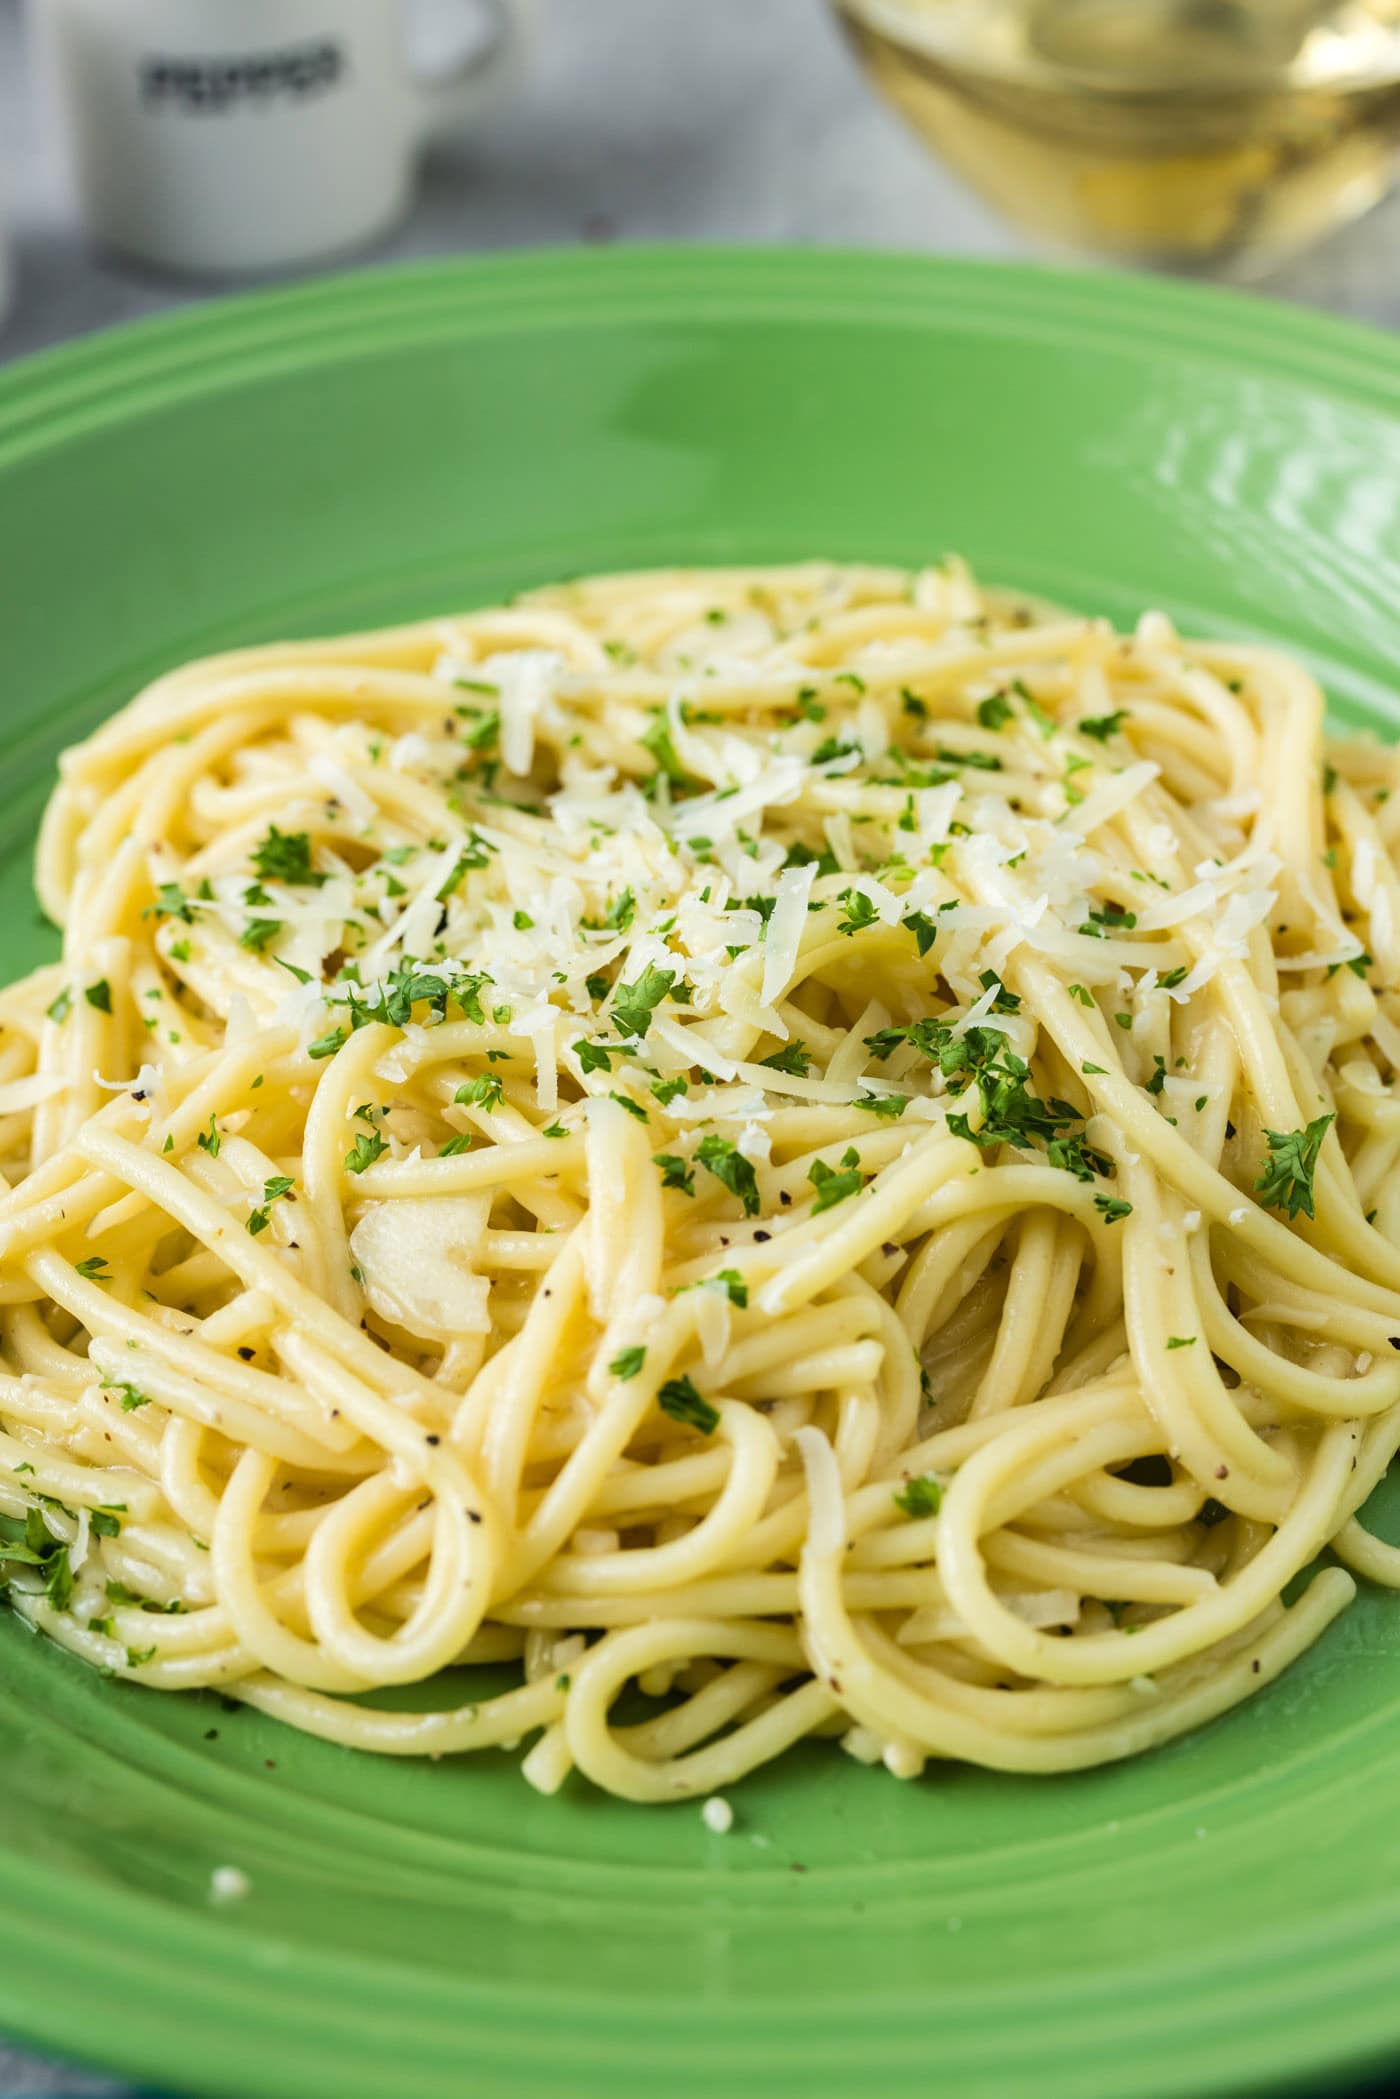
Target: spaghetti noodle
[814, 1142]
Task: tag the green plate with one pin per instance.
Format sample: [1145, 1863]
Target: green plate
[1223, 1915]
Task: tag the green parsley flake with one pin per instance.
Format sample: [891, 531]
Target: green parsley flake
[259, 933]
[835, 1186]
[922, 927]
[273, 1191]
[860, 913]
[485, 1091]
[721, 1157]
[367, 1147]
[475, 852]
[889, 1106]
[132, 1396]
[285, 856]
[679, 1398]
[920, 1497]
[634, 1004]
[732, 1284]
[674, 1172]
[793, 1058]
[1286, 1182]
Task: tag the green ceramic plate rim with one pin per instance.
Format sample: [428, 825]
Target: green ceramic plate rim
[78, 1959]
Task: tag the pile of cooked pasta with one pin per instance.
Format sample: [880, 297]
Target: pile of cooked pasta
[813, 1146]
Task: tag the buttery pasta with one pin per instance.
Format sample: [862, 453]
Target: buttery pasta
[813, 1146]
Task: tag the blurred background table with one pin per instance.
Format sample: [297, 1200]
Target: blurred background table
[643, 120]
[738, 120]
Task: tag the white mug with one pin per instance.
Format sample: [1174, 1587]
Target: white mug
[223, 137]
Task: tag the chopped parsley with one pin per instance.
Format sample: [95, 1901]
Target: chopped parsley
[171, 902]
[28, 1542]
[480, 727]
[259, 933]
[1287, 1180]
[920, 1497]
[833, 1185]
[922, 927]
[860, 913]
[634, 1004]
[285, 856]
[980, 761]
[594, 1056]
[679, 1398]
[485, 1091]
[409, 984]
[793, 1058]
[273, 1190]
[834, 748]
[1043, 721]
[627, 1363]
[1005, 1001]
[368, 1147]
[474, 852]
[132, 1395]
[657, 740]
[1110, 918]
[99, 995]
[1074, 1155]
[721, 1157]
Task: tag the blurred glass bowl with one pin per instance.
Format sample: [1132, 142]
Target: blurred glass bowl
[1220, 135]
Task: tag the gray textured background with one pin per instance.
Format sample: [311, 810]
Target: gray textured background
[740, 120]
[691, 120]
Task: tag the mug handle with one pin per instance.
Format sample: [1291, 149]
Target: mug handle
[457, 94]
